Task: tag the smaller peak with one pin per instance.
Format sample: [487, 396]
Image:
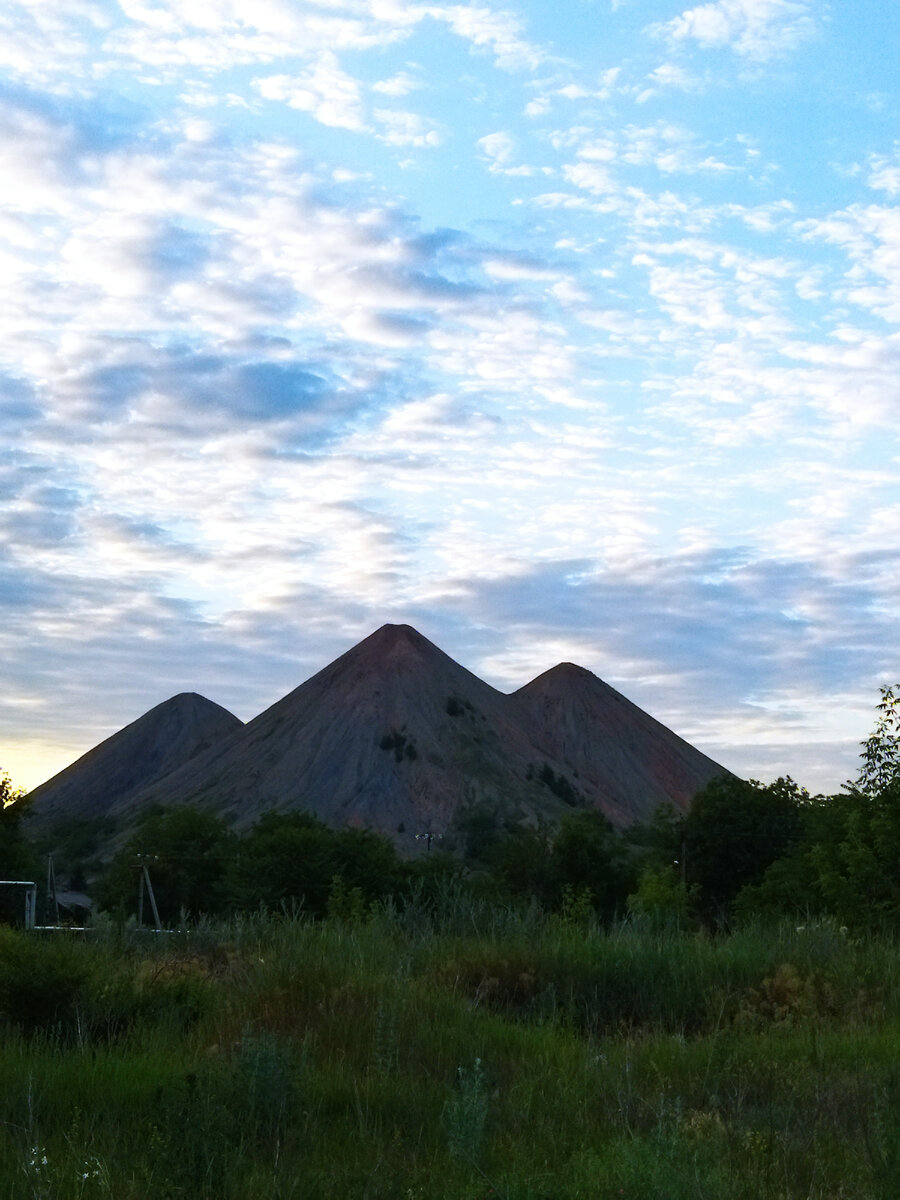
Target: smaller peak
[568, 670]
[564, 674]
[186, 700]
[189, 706]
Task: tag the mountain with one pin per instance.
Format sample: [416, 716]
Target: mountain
[398, 737]
[623, 759]
[393, 735]
[152, 746]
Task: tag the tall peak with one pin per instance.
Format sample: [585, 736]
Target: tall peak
[389, 638]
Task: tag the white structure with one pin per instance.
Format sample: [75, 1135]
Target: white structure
[18, 902]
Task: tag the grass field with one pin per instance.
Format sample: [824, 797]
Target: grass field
[462, 1051]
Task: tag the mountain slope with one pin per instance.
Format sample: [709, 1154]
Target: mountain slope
[152, 746]
[393, 735]
[396, 736]
[627, 762]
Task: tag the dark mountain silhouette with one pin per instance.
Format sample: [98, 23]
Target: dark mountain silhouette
[622, 758]
[152, 746]
[397, 737]
[393, 733]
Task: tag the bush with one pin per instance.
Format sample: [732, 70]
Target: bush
[662, 900]
[41, 983]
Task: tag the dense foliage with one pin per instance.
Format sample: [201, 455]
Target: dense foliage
[443, 1047]
[743, 850]
[16, 855]
[543, 1014]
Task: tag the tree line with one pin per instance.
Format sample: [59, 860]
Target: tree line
[743, 850]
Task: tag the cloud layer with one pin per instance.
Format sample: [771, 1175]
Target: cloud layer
[559, 338]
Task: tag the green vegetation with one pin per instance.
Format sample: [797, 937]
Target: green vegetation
[560, 786]
[449, 1048]
[704, 1008]
[16, 855]
[400, 743]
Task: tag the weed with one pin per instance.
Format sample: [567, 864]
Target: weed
[264, 1087]
[385, 1037]
[346, 904]
[465, 1115]
[276, 1057]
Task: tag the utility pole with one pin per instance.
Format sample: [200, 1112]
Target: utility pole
[428, 838]
[52, 902]
[144, 881]
[682, 863]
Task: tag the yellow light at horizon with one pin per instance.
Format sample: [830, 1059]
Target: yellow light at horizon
[29, 764]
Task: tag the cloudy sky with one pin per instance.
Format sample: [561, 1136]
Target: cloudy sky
[561, 331]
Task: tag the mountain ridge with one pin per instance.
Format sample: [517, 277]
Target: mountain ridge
[396, 736]
[151, 746]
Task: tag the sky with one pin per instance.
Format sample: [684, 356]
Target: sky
[562, 332]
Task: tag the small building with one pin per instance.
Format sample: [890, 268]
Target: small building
[18, 903]
[74, 907]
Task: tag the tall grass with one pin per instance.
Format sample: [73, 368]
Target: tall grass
[451, 1049]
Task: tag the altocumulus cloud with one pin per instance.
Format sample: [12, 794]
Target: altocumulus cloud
[553, 336]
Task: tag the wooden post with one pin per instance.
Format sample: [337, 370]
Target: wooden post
[152, 897]
[51, 891]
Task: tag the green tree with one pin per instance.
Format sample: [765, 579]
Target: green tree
[791, 885]
[858, 864]
[662, 900]
[734, 831]
[16, 856]
[587, 853]
[294, 858]
[658, 841]
[880, 768]
[520, 861]
[188, 854]
[859, 876]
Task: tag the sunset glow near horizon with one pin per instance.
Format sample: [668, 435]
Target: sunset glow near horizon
[561, 332]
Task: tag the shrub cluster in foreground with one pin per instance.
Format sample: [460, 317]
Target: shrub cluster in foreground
[445, 1048]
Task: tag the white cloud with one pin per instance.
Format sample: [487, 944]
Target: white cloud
[755, 29]
[499, 151]
[668, 147]
[604, 161]
[406, 129]
[219, 36]
[538, 107]
[35, 156]
[670, 75]
[518, 267]
[325, 91]
[600, 89]
[500, 32]
[400, 84]
[48, 44]
[591, 177]
[884, 173]
[498, 147]
[870, 237]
